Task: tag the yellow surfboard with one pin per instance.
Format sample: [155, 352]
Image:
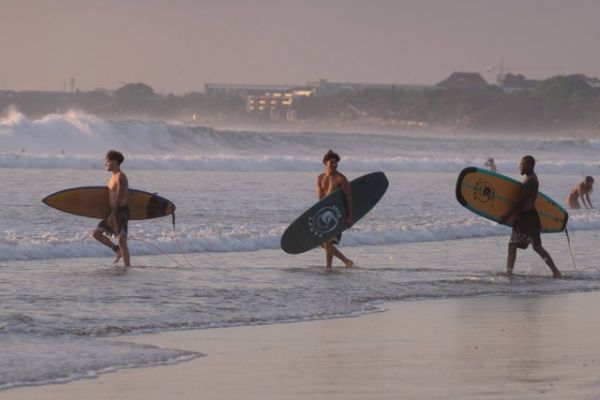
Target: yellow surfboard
[492, 195]
[92, 201]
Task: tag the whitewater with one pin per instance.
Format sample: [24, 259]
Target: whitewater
[220, 264]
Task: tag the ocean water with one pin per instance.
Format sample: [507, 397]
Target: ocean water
[63, 305]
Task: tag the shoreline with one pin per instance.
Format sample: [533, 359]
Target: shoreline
[483, 347]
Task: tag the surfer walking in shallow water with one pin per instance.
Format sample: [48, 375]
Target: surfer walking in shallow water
[527, 226]
[327, 182]
[115, 223]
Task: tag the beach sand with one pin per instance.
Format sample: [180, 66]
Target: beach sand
[534, 347]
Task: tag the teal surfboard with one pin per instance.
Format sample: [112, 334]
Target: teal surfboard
[492, 195]
[327, 218]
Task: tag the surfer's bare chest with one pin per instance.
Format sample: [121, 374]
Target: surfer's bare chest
[329, 183]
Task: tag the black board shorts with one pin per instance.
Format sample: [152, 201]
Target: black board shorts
[526, 230]
[122, 219]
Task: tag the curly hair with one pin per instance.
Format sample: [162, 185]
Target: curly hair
[115, 155]
[331, 155]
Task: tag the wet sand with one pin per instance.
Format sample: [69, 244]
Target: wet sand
[534, 347]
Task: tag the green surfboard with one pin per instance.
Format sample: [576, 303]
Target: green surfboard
[327, 218]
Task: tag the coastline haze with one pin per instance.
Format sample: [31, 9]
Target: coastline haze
[177, 48]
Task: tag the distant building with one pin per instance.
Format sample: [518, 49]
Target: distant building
[511, 83]
[317, 88]
[277, 105]
[468, 81]
[243, 90]
[279, 101]
[323, 87]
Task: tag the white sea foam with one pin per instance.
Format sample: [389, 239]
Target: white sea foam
[76, 140]
[23, 247]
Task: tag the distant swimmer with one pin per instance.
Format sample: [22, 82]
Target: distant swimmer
[327, 182]
[490, 164]
[527, 226]
[583, 190]
[115, 223]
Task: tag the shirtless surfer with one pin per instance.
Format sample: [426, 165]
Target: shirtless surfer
[527, 226]
[115, 223]
[583, 188]
[326, 183]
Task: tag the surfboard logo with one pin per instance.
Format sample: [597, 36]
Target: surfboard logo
[484, 191]
[324, 220]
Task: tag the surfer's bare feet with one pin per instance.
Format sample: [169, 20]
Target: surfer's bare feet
[349, 264]
[118, 255]
[557, 275]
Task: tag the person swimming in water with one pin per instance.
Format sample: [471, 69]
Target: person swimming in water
[490, 164]
[583, 190]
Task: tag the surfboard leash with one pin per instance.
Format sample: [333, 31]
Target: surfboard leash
[570, 250]
[179, 244]
[179, 265]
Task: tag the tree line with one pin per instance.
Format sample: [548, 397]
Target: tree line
[567, 101]
[571, 101]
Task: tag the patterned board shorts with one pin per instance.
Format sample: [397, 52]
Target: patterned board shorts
[122, 219]
[526, 230]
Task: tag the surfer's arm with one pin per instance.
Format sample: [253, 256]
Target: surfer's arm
[320, 191]
[526, 191]
[120, 189]
[112, 220]
[114, 201]
[589, 203]
[584, 193]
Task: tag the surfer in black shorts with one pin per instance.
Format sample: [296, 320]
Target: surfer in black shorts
[527, 226]
[326, 183]
[115, 223]
[122, 218]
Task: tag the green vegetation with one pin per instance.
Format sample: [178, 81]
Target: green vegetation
[561, 102]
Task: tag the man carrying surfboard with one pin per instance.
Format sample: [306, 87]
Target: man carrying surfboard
[115, 223]
[527, 226]
[327, 182]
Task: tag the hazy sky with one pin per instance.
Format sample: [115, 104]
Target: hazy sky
[178, 45]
